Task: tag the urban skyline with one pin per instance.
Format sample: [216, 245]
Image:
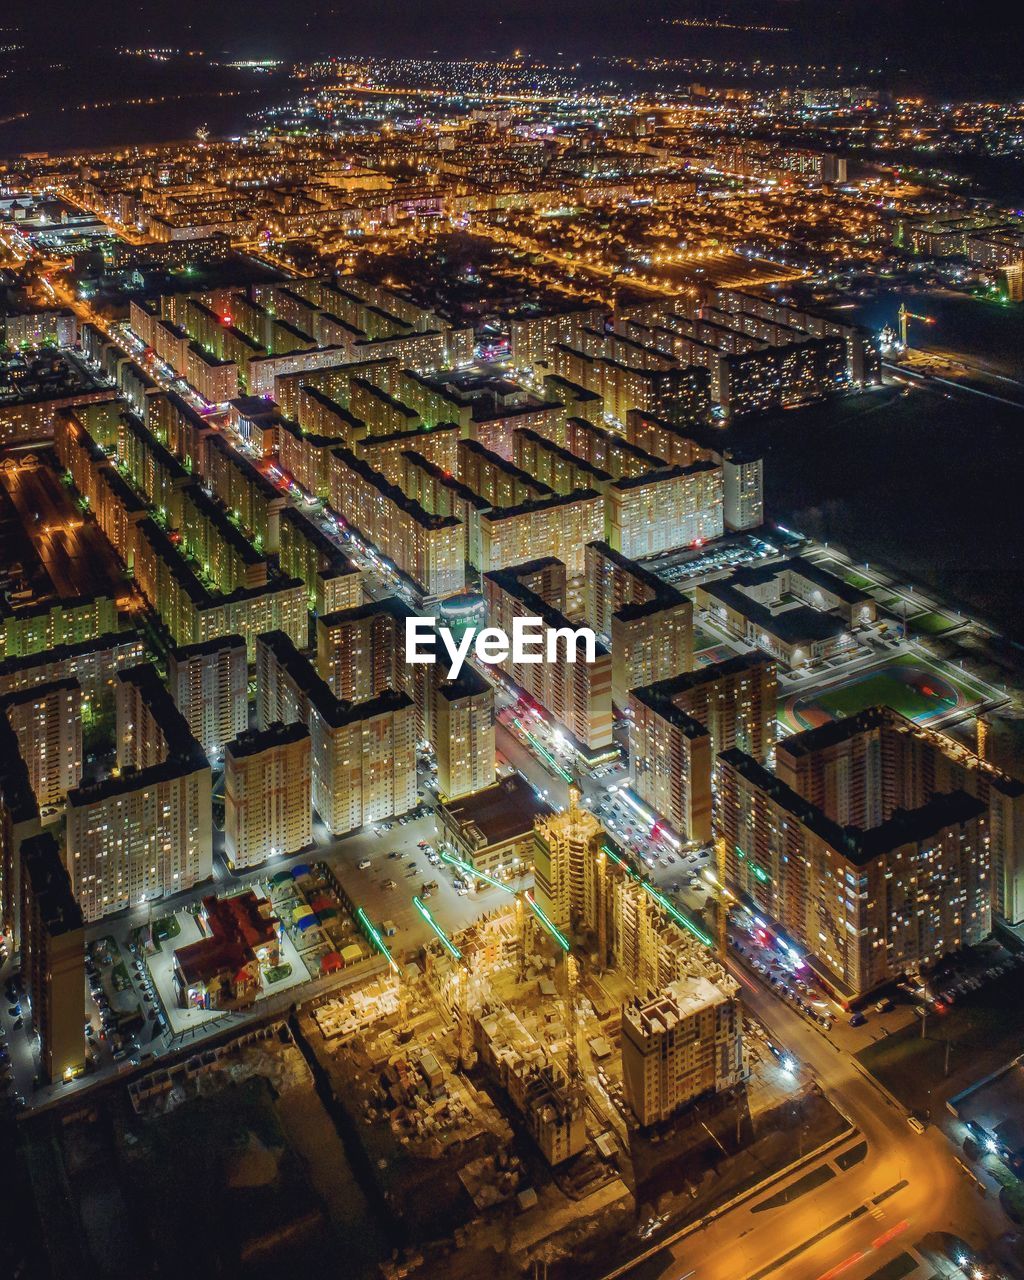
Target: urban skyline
[670, 378]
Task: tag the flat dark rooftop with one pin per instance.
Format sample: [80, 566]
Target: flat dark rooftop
[501, 812]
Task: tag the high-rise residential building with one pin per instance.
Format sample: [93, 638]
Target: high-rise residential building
[670, 759]
[268, 808]
[567, 846]
[47, 721]
[209, 684]
[743, 489]
[147, 831]
[868, 901]
[861, 769]
[360, 652]
[53, 958]
[363, 753]
[428, 549]
[93, 663]
[680, 1045]
[578, 694]
[19, 821]
[460, 728]
[735, 700]
[649, 622]
[678, 726]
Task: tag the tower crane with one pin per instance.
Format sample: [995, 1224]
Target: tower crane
[905, 316]
[572, 978]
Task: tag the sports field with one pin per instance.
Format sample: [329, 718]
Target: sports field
[913, 686]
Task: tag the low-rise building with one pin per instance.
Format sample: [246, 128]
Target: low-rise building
[492, 829]
[225, 968]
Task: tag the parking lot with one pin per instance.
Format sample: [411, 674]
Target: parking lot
[677, 869]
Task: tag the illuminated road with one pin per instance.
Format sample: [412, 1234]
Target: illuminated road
[857, 1235]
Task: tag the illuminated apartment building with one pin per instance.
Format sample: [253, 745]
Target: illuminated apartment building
[678, 726]
[680, 1045]
[363, 753]
[641, 379]
[53, 959]
[209, 683]
[360, 652]
[332, 580]
[670, 761]
[33, 628]
[427, 549]
[860, 769]
[556, 526]
[147, 831]
[47, 722]
[460, 728]
[868, 902]
[577, 694]
[666, 509]
[268, 809]
[649, 622]
[743, 489]
[93, 663]
[533, 335]
[19, 821]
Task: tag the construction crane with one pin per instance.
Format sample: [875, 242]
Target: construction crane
[905, 316]
[572, 1058]
[467, 1054]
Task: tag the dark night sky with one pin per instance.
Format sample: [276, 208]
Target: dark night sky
[947, 42]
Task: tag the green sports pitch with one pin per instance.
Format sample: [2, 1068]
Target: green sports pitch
[913, 686]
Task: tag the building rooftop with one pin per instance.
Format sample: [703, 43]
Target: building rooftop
[857, 844]
[255, 741]
[500, 813]
[44, 869]
[679, 1000]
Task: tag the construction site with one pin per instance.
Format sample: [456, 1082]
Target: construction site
[572, 1068]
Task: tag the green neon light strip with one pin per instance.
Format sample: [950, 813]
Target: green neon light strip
[558, 936]
[472, 871]
[543, 752]
[375, 938]
[448, 945]
[668, 907]
[556, 933]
